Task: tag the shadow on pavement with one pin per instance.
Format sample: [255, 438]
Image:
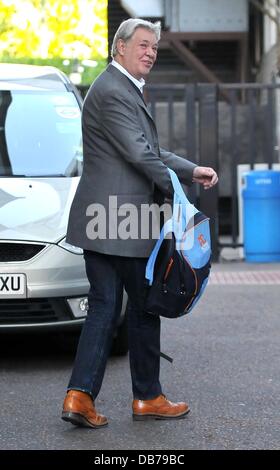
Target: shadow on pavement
[24, 347]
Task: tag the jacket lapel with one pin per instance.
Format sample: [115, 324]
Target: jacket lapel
[141, 103]
[130, 88]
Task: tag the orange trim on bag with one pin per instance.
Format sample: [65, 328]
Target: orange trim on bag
[168, 268]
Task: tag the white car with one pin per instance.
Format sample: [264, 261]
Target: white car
[43, 284]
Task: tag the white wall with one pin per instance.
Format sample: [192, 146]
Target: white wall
[209, 15]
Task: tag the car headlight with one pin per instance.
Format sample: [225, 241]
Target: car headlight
[73, 249]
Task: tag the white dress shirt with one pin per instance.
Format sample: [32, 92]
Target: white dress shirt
[139, 83]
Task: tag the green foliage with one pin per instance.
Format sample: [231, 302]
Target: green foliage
[74, 29]
[46, 32]
[6, 12]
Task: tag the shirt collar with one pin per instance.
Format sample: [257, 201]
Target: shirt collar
[139, 83]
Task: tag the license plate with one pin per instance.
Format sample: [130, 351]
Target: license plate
[12, 285]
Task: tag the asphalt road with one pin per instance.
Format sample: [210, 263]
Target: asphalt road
[226, 366]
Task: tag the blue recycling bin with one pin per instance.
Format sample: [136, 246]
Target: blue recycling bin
[261, 216]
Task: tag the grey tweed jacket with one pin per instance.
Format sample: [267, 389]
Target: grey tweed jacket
[122, 158]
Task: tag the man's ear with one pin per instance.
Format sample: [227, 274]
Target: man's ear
[121, 47]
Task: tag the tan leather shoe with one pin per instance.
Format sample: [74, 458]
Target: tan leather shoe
[78, 409]
[158, 408]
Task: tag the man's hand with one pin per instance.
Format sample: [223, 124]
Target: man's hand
[206, 176]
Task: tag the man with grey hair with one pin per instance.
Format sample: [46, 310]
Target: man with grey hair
[122, 158]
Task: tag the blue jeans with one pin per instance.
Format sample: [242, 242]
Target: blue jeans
[108, 275]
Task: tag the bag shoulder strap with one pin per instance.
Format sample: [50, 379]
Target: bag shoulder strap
[180, 205]
[178, 190]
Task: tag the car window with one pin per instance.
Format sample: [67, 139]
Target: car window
[40, 134]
